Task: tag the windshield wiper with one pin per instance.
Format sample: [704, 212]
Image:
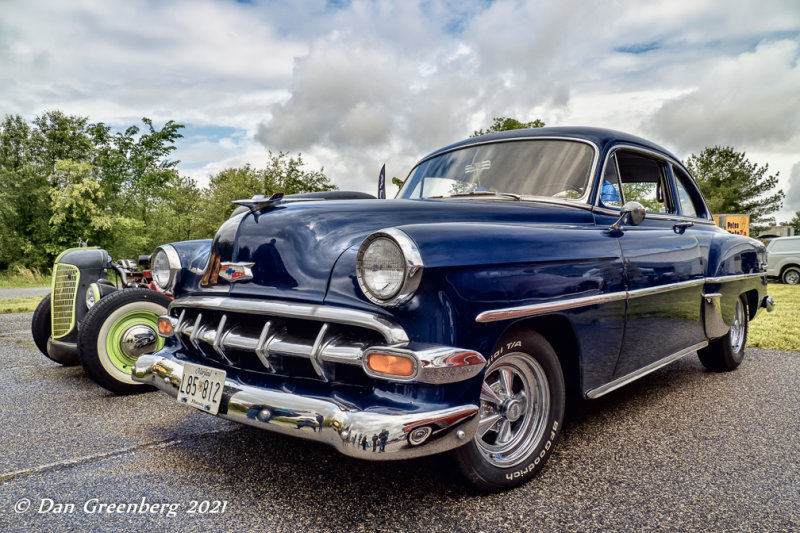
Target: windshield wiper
[483, 193]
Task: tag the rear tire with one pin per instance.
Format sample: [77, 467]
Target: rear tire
[41, 329]
[726, 353]
[521, 414]
[115, 332]
[791, 276]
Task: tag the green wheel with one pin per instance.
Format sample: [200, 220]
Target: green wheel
[115, 332]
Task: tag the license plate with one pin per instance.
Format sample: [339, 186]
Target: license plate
[201, 387]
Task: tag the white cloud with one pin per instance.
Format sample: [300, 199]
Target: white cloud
[355, 84]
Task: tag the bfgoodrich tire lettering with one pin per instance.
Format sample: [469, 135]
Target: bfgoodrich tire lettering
[726, 353]
[112, 320]
[522, 411]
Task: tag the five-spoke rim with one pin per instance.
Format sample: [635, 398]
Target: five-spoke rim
[515, 403]
[738, 328]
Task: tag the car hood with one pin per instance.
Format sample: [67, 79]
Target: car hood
[293, 247]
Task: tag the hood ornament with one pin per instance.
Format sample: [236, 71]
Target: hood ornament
[259, 201]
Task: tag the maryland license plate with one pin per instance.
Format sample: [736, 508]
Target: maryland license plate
[201, 387]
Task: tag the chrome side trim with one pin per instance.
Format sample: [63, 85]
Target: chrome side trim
[735, 277]
[526, 311]
[549, 307]
[649, 291]
[392, 332]
[652, 367]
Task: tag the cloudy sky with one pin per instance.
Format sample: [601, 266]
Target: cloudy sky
[355, 84]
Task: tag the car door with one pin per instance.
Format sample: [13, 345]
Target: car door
[662, 260]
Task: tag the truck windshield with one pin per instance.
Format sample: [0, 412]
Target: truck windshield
[530, 167]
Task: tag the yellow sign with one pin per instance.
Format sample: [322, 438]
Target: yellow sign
[736, 224]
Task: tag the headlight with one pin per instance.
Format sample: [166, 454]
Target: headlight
[165, 267]
[92, 295]
[389, 267]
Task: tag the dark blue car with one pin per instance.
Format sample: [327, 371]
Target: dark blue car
[511, 270]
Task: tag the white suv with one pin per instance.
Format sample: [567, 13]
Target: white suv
[783, 259]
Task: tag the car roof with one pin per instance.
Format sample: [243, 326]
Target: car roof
[599, 136]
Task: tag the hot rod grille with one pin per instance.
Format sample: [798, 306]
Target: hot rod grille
[62, 299]
[288, 346]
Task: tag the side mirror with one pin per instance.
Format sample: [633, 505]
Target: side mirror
[632, 211]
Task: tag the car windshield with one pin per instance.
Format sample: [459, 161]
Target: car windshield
[531, 167]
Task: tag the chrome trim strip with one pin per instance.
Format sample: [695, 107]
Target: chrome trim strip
[735, 277]
[392, 332]
[633, 376]
[549, 307]
[326, 420]
[658, 289]
[532, 310]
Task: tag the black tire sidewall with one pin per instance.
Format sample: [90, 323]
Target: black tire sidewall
[478, 471]
[93, 356]
[40, 325]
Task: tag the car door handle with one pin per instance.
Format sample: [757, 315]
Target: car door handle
[680, 227]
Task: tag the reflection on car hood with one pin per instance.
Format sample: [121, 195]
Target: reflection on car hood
[294, 246]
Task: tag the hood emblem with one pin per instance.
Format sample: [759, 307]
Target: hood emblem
[236, 271]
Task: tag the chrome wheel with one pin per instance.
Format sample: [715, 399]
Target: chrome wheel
[737, 333]
[515, 402]
[791, 276]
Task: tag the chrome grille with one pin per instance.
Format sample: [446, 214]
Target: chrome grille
[273, 344]
[62, 299]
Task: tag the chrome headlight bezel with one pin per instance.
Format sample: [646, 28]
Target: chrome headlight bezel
[412, 268]
[92, 295]
[166, 279]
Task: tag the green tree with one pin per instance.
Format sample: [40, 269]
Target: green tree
[795, 223]
[283, 173]
[505, 124]
[732, 184]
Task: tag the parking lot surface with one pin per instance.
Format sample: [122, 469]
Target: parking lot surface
[681, 449]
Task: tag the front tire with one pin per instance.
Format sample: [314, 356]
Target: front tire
[521, 414]
[726, 353]
[115, 332]
[791, 276]
[41, 329]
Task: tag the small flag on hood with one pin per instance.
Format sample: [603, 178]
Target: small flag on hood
[382, 183]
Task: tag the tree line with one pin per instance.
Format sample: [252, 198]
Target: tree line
[63, 178]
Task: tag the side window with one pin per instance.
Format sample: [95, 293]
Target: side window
[610, 195]
[688, 197]
[643, 179]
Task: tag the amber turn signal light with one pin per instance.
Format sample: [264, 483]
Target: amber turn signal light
[164, 326]
[393, 365]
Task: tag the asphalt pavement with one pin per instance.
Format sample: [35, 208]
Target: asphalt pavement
[682, 449]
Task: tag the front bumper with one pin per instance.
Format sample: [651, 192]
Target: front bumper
[341, 425]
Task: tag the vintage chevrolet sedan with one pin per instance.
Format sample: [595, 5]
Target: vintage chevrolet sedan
[512, 270]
